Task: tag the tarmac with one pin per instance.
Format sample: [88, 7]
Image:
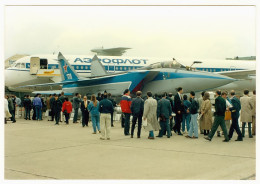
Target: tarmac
[40, 150]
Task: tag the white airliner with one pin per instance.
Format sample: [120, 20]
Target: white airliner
[37, 69]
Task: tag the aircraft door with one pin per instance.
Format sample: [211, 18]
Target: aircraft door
[34, 65]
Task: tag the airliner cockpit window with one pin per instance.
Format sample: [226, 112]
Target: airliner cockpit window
[17, 65]
[22, 65]
[167, 64]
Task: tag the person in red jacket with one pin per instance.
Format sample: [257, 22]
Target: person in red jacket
[125, 104]
[66, 109]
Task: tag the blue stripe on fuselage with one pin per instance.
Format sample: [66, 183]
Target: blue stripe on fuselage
[173, 75]
[129, 67]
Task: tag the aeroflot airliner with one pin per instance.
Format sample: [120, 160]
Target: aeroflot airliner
[37, 69]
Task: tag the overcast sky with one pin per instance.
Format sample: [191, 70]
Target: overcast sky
[161, 31]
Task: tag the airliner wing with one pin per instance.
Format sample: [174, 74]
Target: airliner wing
[36, 86]
[51, 92]
[111, 52]
[238, 74]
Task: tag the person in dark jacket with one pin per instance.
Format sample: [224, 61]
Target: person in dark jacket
[171, 98]
[235, 115]
[84, 110]
[137, 109]
[194, 107]
[186, 114]
[99, 98]
[11, 108]
[164, 111]
[51, 104]
[62, 98]
[220, 108]
[27, 106]
[57, 105]
[14, 104]
[76, 105]
[105, 108]
[178, 108]
[114, 105]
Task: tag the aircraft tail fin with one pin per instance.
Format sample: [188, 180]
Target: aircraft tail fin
[97, 69]
[66, 70]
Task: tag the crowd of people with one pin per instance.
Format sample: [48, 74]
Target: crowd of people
[166, 114]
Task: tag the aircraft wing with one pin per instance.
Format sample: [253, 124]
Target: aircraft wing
[36, 86]
[111, 52]
[51, 92]
[238, 74]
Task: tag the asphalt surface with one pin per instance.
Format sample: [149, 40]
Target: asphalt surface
[40, 150]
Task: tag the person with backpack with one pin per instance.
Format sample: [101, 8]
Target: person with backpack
[194, 115]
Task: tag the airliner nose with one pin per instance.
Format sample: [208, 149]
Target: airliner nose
[7, 78]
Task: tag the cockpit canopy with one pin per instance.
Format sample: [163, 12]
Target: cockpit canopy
[165, 64]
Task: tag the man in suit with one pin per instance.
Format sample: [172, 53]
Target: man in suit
[57, 105]
[76, 104]
[220, 108]
[178, 108]
[235, 115]
[164, 111]
[137, 109]
[84, 110]
[27, 106]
